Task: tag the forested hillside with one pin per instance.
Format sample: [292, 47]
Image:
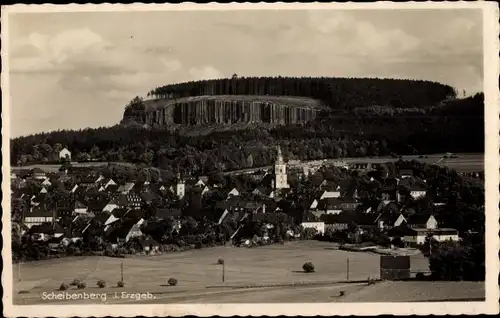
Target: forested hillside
[454, 126]
[339, 93]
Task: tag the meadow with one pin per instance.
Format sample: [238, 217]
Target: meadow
[198, 273]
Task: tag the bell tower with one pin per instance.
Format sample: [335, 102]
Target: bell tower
[280, 172]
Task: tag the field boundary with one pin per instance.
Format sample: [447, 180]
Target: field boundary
[299, 284]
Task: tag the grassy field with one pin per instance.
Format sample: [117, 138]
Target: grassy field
[464, 163]
[471, 162]
[198, 273]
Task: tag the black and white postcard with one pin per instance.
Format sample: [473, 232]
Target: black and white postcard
[250, 159]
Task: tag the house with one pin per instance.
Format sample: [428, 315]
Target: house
[359, 166]
[234, 192]
[46, 183]
[319, 226]
[337, 222]
[112, 188]
[418, 191]
[110, 206]
[350, 204]
[265, 192]
[129, 201]
[418, 235]
[65, 154]
[422, 221]
[406, 173]
[200, 183]
[126, 188]
[37, 216]
[125, 230]
[80, 208]
[108, 182]
[45, 231]
[330, 206]
[43, 191]
[38, 174]
[205, 190]
[389, 220]
[330, 194]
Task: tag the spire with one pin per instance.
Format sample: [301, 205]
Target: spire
[280, 156]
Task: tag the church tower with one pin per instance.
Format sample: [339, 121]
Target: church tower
[181, 187]
[280, 172]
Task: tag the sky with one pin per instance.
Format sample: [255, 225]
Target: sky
[74, 70]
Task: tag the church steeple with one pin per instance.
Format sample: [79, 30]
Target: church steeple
[181, 187]
[280, 172]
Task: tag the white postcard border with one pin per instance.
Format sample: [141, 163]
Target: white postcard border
[491, 72]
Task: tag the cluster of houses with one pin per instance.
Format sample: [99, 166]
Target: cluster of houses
[101, 207]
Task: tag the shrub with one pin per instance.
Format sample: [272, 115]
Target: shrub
[120, 284]
[172, 281]
[81, 285]
[308, 267]
[63, 286]
[101, 283]
[420, 276]
[220, 261]
[75, 282]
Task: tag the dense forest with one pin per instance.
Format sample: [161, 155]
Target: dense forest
[457, 126]
[373, 117]
[338, 93]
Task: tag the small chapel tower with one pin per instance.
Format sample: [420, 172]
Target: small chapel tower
[280, 172]
[181, 187]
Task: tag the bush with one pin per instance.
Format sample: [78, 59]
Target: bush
[75, 282]
[172, 281]
[63, 286]
[420, 276]
[220, 261]
[120, 284]
[101, 283]
[308, 267]
[81, 285]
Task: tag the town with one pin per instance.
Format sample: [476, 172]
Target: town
[88, 210]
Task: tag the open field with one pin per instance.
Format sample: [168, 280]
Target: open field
[469, 162]
[55, 167]
[276, 269]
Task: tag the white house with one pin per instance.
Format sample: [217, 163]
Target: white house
[38, 216]
[422, 221]
[319, 226]
[80, 208]
[65, 154]
[233, 192]
[205, 190]
[330, 194]
[314, 205]
[46, 182]
[108, 183]
[418, 235]
[75, 187]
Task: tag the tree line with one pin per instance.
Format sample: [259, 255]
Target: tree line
[455, 127]
[338, 93]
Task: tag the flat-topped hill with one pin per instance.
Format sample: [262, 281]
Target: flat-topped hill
[278, 100]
